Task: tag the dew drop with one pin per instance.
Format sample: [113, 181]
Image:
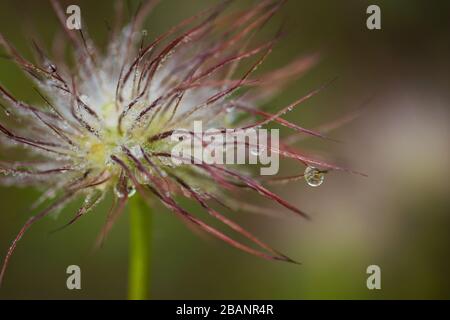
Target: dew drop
[136, 151]
[314, 177]
[130, 191]
[7, 112]
[168, 162]
[231, 115]
[141, 177]
[163, 174]
[118, 192]
[51, 68]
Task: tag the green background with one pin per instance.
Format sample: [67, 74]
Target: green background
[397, 218]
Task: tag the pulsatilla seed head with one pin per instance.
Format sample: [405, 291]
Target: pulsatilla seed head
[103, 124]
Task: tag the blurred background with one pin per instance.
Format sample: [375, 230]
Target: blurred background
[397, 218]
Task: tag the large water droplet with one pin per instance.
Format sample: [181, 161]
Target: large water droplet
[314, 177]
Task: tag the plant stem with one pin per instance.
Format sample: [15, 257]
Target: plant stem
[140, 249]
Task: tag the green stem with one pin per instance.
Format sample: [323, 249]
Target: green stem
[140, 249]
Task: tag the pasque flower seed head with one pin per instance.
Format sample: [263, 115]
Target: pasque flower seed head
[105, 121]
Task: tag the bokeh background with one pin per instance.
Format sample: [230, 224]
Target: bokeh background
[397, 218]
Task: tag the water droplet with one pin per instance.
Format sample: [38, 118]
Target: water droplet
[141, 177]
[51, 68]
[144, 33]
[118, 192]
[130, 191]
[7, 112]
[136, 151]
[168, 162]
[314, 177]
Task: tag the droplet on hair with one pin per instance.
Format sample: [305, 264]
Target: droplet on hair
[129, 192]
[51, 68]
[7, 112]
[314, 177]
[142, 177]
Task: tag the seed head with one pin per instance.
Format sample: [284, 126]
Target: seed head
[104, 123]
